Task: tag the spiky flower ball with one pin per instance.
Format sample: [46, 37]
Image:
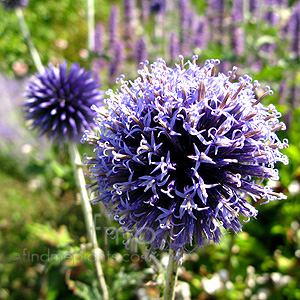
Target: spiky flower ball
[178, 153]
[58, 102]
[12, 4]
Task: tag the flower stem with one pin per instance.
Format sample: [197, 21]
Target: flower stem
[91, 24]
[88, 216]
[171, 277]
[34, 53]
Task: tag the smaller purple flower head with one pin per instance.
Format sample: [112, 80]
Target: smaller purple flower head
[181, 151]
[12, 4]
[58, 102]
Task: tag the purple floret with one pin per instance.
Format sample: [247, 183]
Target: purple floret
[178, 153]
[58, 102]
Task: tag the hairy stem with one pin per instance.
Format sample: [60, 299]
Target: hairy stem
[91, 24]
[34, 53]
[171, 277]
[88, 216]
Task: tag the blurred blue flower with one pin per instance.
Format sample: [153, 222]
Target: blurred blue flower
[178, 153]
[58, 102]
[157, 6]
[141, 52]
[12, 4]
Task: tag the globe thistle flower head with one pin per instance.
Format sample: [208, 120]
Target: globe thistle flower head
[13, 4]
[178, 153]
[58, 102]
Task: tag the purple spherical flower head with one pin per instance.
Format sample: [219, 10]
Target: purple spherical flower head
[12, 4]
[178, 152]
[58, 102]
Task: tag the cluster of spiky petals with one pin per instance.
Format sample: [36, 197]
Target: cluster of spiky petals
[58, 102]
[12, 4]
[178, 153]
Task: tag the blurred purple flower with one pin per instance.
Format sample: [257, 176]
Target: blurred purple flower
[58, 102]
[128, 24]
[99, 38]
[192, 22]
[99, 63]
[237, 11]
[256, 64]
[288, 118]
[225, 66]
[283, 3]
[254, 7]
[178, 150]
[283, 91]
[114, 25]
[238, 41]
[202, 33]
[272, 17]
[290, 24]
[237, 32]
[295, 30]
[271, 11]
[174, 46]
[184, 9]
[145, 10]
[275, 2]
[12, 4]
[157, 6]
[295, 96]
[268, 49]
[141, 51]
[97, 67]
[115, 65]
[215, 13]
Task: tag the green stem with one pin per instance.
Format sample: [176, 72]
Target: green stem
[91, 24]
[229, 259]
[171, 277]
[88, 216]
[34, 53]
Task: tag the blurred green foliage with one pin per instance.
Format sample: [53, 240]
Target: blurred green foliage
[44, 253]
[48, 22]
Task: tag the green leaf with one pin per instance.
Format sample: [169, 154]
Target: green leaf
[58, 169]
[85, 291]
[285, 263]
[53, 237]
[277, 229]
[123, 280]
